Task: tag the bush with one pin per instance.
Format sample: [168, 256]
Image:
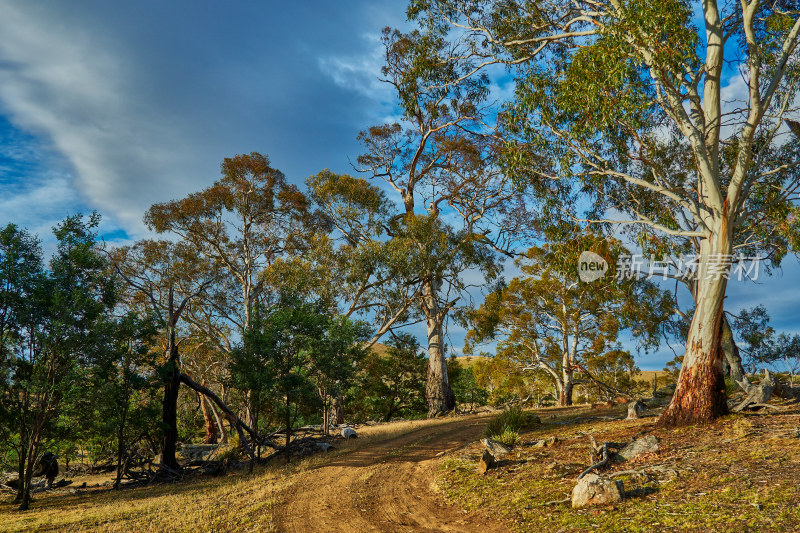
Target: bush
[509, 437]
[511, 420]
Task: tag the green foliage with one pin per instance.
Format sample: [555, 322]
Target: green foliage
[54, 336]
[294, 358]
[510, 422]
[465, 387]
[549, 321]
[391, 384]
[509, 437]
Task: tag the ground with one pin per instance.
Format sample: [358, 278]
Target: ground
[739, 474]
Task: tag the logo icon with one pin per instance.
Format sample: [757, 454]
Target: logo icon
[591, 266]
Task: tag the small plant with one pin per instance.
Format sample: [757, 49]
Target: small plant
[511, 420]
[509, 437]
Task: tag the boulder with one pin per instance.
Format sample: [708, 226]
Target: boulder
[635, 410]
[644, 445]
[325, 447]
[349, 433]
[497, 449]
[595, 490]
[486, 462]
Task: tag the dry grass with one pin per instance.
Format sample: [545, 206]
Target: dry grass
[237, 502]
[738, 474]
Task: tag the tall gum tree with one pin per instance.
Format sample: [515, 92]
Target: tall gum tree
[357, 264]
[601, 85]
[439, 161]
[241, 224]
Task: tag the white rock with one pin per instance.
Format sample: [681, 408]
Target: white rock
[349, 433]
[498, 449]
[644, 445]
[595, 490]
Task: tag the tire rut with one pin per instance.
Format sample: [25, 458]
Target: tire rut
[383, 487]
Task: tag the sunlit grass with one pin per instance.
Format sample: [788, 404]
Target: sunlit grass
[235, 502]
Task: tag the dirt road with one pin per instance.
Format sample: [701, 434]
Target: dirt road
[387, 486]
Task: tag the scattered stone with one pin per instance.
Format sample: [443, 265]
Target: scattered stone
[486, 462]
[644, 445]
[497, 449]
[546, 443]
[197, 452]
[635, 410]
[349, 433]
[595, 490]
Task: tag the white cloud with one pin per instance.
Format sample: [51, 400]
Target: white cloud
[360, 72]
[62, 85]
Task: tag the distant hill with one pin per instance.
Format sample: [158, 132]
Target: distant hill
[647, 375]
[469, 360]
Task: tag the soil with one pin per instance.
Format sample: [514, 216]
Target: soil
[388, 486]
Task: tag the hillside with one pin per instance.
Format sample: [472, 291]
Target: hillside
[736, 474]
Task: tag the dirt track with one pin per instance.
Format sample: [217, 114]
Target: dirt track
[383, 487]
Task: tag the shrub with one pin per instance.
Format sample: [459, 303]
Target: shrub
[511, 420]
[509, 437]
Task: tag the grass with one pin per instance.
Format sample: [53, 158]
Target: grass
[739, 474]
[236, 502]
[508, 423]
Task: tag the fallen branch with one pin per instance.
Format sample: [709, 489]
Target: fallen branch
[230, 415]
[759, 394]
[556, 502]
[601, 464]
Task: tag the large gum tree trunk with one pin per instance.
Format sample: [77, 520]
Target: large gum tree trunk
[438, 393]
[567, 382]
[700, 393]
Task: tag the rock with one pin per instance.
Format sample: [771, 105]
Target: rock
[349, 433]
[595, 490]
[497, 449]
[635, 410]
[644, 445]
[546, 443]
[325, 447]
[10, 479]
[486, 462]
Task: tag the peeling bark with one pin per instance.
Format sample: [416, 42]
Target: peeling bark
[700, 393]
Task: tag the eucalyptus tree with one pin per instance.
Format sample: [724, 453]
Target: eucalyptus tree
[602, 86]
[21, 277]
[357, 266]
[550, 320]
[240, 225]
[457, 209]
[165, 279]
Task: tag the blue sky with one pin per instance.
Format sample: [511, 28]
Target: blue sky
[114, 106]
